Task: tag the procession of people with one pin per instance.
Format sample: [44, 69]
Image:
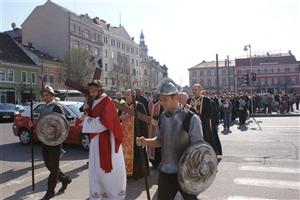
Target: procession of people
[123, 145]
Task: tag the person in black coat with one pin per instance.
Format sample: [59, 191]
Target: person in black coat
[206, 111]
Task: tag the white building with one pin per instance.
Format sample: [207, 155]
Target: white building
[205, 74]
[151, 71]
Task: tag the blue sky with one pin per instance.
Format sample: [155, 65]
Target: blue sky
[181, 33]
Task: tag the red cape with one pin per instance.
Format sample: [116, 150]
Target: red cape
[108, 115]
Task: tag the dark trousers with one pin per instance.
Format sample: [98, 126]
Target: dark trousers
[226, 120]
[168, 187]
[51, 156]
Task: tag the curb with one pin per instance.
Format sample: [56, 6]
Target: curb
[276, 115]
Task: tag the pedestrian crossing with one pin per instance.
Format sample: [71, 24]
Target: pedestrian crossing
[258, 177]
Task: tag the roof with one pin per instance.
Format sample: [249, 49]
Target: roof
[42, 55]
[270, 59]
[10, 51]
[15, 33]
[212, 64]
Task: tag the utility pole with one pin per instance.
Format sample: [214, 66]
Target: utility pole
[217, 68]
[228, 73]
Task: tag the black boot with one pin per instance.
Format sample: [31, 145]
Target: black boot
[48, 196]
[65, 184]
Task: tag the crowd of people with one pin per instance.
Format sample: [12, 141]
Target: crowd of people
[117, 135]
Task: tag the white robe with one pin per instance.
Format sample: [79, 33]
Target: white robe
[104, 186]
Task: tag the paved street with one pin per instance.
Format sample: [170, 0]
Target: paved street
[261, 162]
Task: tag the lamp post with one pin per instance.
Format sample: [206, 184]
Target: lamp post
[246, 48]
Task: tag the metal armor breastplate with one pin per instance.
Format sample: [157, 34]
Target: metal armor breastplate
[174, 140]
[46, 109]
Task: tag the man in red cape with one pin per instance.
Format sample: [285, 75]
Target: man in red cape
[107, 173]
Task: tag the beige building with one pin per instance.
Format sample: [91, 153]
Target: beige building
[53, 29]
[205, 74]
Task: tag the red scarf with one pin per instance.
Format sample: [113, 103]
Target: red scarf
[107, 112]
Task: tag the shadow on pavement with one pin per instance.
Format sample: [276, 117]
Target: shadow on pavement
[41, 186]
[16, 152]
[136, 187]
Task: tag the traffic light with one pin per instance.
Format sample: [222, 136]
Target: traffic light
[246, 79]
[253, 77]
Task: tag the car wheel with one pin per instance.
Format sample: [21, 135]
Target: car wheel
[85, 141]
[24, 136]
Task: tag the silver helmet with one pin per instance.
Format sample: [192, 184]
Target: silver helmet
[168, 87]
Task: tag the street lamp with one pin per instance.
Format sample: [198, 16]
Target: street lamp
[246, 48]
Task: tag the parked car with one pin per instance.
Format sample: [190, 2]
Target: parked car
[7, 111]
[21, 108]
[71, 108]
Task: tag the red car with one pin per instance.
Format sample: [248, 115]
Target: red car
[72, 114]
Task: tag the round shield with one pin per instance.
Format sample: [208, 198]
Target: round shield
[52, 129]
[197, 169]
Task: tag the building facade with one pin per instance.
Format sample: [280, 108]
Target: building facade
[151, 70]
[121, 61]
[205, 74]
[17, 71]
[274, 73]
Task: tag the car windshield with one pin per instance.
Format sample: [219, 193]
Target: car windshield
[7, 106]
[75, 108]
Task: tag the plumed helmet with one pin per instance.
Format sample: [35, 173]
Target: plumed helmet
[168, 87]
[48, 89]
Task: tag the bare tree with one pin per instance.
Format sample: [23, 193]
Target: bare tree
[120, 73]
[78, 65]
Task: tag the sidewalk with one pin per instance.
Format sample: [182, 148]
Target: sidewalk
[275, 114]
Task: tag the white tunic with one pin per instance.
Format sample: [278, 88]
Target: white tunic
[104, 186]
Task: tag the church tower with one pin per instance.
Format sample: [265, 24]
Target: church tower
[143, 46]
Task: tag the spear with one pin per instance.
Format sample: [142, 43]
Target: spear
[141, 149]
[31, 130]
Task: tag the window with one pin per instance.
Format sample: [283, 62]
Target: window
[145, 72]
[134, 72]
[113, 42]
[94, 37]
[118, 45]
[112, 54]
[202, 73]
[223, 72]
[269, 81]
[137, 63]
[293, 80]
[105, 67]
[86, 33]
[224, 82]
[51, 77]
[2, 74]
[132, 61]
[132, 50]
[24, 77]
[275, 79]
[96, 51]
[292, 69]
[106, 54]
[76, 44]
[88, 47]
[33, 77]
[208, 73]
[74, 28]
[127, 48]
[106, 80]
[209, 83]
[78, 30]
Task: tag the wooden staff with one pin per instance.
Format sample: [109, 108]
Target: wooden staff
[141, 149]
